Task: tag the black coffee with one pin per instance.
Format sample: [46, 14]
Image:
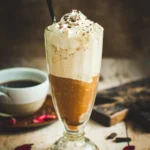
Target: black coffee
[20, 83]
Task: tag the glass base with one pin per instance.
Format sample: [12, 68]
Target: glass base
[65, 144]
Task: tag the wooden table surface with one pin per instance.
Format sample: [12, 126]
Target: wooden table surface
[114, 72]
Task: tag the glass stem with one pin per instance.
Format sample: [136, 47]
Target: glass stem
[71, 136]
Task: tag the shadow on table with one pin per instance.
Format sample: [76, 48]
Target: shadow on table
[136, 126]
[11, 130]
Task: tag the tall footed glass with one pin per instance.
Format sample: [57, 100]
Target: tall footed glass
[74, 62]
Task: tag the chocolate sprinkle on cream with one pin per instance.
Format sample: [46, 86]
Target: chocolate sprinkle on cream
[76, 20]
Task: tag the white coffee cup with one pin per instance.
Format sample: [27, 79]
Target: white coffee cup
[23, 101]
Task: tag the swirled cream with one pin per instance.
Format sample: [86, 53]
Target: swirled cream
[74, 47]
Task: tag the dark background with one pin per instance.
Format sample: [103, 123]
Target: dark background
[22, 23]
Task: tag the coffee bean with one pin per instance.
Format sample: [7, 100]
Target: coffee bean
[122, 139]
[111, 136]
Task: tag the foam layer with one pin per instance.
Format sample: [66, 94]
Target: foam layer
[74, 47]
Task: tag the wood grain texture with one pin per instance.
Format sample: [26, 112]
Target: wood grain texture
[109, 113]
[132, 98]
[114, 72]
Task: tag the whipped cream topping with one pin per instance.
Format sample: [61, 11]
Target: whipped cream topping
[75, 23]
[74, 47]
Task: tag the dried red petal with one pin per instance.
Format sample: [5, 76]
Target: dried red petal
[12, 121]
[129, 148]
[49, 117]
[24, 147]
[43, 118]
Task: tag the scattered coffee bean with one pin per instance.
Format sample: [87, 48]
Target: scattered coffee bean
[111, 136]
[122, 139]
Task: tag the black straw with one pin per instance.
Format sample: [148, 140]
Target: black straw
[51, 10]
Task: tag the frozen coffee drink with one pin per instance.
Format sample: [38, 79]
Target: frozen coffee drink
[73, 50]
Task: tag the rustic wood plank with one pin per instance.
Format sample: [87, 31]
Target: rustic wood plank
[117, 71]
[114, 72]
[127, 70]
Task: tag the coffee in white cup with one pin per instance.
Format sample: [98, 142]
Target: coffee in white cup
[22, 90]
